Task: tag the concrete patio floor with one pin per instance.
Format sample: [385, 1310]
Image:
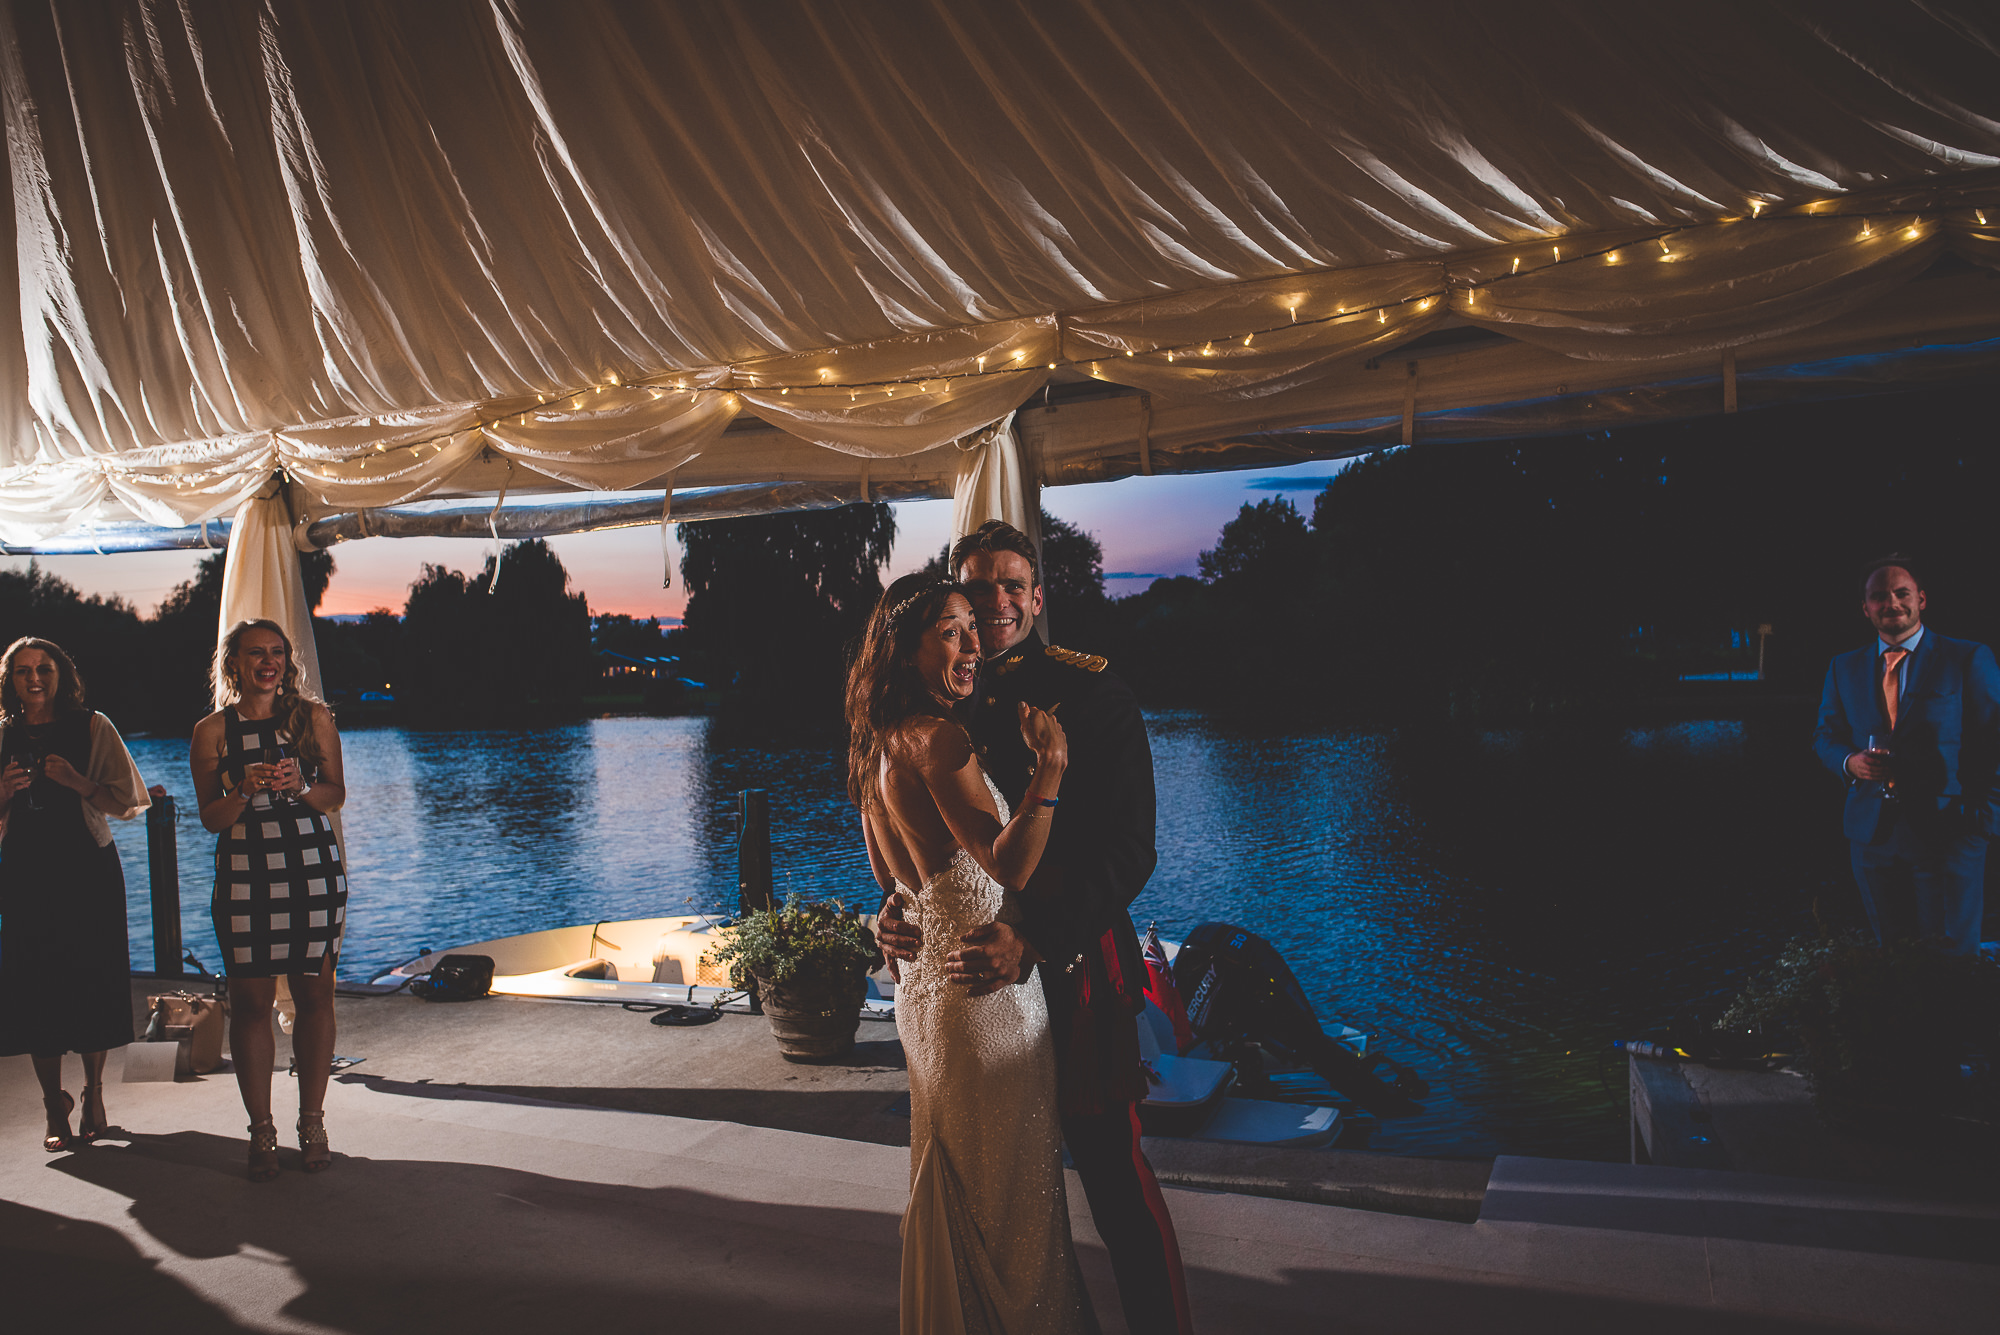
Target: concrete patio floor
[456, 1208]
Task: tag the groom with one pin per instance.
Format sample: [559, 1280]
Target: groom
[1074, 921]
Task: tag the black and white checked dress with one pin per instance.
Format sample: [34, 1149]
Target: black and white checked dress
[280, 889]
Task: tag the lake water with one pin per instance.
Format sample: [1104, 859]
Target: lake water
[1496, 907]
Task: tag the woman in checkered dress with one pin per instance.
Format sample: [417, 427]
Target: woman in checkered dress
[267, 773]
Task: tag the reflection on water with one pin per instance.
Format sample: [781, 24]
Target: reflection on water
[1496, 907]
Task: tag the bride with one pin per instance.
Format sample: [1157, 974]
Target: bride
[986, 1244]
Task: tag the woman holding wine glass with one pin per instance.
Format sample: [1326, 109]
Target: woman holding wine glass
[65, 970]
[267, 773]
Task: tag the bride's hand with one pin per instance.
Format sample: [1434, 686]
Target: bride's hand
[1045, 737]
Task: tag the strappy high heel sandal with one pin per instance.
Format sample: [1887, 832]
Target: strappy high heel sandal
[315, 1155]
[263, 1165]
[89, 1127]
[58, 1110]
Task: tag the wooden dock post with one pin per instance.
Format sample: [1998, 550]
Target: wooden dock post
[164, 873]
[753, 851]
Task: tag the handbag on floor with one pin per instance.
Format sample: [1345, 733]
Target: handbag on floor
[196, 1023]
[457, 978]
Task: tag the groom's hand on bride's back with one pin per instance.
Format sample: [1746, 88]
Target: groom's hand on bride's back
[992, 959]
[897, 937]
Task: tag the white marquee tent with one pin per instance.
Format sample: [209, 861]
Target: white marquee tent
[306, 264]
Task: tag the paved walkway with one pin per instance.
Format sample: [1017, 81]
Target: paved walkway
[451, 1209]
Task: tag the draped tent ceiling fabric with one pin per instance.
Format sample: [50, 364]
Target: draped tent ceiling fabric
[399, 251]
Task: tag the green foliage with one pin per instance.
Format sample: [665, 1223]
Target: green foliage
[1879, 1025]
[798, 945]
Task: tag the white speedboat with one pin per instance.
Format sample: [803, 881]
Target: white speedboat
[659, 961]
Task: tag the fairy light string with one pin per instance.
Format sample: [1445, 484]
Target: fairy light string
[1290, 314]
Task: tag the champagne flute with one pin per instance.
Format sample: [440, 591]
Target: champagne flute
[33, 760]
[275, 754]
[27, 760]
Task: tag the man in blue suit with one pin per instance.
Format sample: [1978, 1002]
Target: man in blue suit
[1913, 723]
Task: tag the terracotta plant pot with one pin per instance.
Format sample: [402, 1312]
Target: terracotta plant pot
[814, 1019]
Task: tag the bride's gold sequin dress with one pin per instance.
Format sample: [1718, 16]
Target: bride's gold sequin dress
[986, 1244]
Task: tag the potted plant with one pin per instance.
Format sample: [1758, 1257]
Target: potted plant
[1882, 1029]
[809, 965]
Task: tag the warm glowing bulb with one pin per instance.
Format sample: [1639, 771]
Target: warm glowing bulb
[982, 362]
[1295, 312]
[826, 373]
[1756, 207]
[1246, 340]
[1170, 355]
[786, 390]
[1128, 352]
[1052, 366]
[1018, 355]
[1912, 232]
[1663, 247]
[1981, 215]
[1382, 316]
[1867, 230]
[1517, 264]
[1558, 250]
[1611, 257]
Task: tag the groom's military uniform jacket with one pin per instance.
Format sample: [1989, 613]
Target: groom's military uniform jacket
[1100, 852]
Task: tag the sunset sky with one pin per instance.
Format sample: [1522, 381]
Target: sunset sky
[1149, 526]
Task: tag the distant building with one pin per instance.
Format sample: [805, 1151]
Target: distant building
[630, 669]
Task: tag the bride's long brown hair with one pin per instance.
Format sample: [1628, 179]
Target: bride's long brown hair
[883, 688]
[294, 706]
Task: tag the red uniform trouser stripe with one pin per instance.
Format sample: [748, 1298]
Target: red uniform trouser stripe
[1131, 1217]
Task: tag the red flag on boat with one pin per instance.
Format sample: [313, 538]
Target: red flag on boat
[1162, 992]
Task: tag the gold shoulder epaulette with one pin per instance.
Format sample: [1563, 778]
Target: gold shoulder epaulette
[1071, 658]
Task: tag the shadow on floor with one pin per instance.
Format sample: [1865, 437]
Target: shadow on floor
[411, 1244]
[848, 1114]
[69, 1274]
[415, 1245]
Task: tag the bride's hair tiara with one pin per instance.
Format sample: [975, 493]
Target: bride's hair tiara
[896, 612]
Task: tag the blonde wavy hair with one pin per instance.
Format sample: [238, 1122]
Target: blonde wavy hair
[294, 706]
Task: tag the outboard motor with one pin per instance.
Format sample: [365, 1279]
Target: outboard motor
[1237, 986]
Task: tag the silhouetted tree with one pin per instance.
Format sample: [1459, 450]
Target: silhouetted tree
[1266, 548]
[779, 598]
[477, 652]
[104, 637]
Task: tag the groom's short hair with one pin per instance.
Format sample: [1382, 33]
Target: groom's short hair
[996, 535]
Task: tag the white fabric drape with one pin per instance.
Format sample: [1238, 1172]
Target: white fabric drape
[992, 484]
[261, 580]
[400, 251]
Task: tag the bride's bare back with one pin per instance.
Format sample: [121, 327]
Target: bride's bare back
[934, 802]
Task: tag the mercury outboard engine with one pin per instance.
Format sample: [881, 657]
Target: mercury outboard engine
[1237, 987]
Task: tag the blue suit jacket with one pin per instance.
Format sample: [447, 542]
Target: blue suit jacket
[1946, 744]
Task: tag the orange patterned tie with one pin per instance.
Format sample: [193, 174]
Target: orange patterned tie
[1891, 692]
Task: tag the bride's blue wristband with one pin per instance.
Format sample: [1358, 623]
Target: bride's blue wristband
[1047, 801]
